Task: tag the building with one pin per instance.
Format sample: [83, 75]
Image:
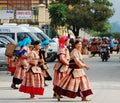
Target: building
[3, 4]
[40, 14]
[21, 4]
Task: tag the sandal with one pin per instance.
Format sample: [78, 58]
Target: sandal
[58, 97]
[13, 86]
[86, 99]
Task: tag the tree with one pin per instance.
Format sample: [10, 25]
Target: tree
[101, 11]
[58, 13]
[79, 16]
[86, 14]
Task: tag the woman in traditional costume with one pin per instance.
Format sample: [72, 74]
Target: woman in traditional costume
[22, 63]
[76, 82]
[61, 66]
[14, 59]
[33, 82]
[44, 65]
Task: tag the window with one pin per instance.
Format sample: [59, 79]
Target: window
[9, 34]
[21, 36]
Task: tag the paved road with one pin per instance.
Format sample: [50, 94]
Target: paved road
[104, 79]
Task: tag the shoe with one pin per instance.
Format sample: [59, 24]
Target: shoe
[46, 84]
[54, 95]
[61, 96]
[13, 86]
[85, 99]
[34, 98]
[58, 97]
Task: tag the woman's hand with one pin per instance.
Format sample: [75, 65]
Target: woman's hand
[86, 67]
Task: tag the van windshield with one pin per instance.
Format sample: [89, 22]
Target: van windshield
[22, 35]
[43, 37]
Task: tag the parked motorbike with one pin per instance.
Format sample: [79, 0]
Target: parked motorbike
[104, 52]
[51, 56]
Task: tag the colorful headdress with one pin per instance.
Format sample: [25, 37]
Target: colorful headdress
[20, 44]
[44, 43]
[62, 40]
[26, 41]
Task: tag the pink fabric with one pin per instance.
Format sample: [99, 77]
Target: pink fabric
[20, 72]
[59, 75]
[72, 85]
[32, 83]
[62, 41]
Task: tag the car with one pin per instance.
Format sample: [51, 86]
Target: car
[17, 33]
[3, 58]
[7, 39]
[53, 46]
[4, 40]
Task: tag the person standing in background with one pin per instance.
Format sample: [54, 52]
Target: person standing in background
[111, 45]
[44, 65]
[14, 59]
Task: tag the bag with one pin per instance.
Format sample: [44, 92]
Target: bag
[36, 69]
[10, 49]
[78, 73]
[60, 67]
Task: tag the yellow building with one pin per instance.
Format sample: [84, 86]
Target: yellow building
[40, 14]
[3, 4]
[21, 4]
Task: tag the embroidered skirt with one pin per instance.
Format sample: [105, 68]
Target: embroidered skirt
[33, 83]
[72, 87]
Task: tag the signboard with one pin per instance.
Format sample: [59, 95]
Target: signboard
[6, 14]
[46, 26]
[20, 14]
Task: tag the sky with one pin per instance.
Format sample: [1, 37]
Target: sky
[116, 16]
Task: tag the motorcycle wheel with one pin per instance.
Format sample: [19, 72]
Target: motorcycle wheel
[102, 60]
[106, 59]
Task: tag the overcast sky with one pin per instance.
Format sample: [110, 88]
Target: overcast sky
[116, 6]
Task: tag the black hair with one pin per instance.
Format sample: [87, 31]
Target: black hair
[76, 42]
[37, 42]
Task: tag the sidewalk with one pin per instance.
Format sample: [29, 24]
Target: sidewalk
[103, 93]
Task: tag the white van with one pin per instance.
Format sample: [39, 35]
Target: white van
[20, 32]
[42, 36]
[17, 33]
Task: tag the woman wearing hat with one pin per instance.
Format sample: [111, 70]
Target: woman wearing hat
[33, 82]
[22, 64]
[76, 82]
[61, 66]
[43, 55]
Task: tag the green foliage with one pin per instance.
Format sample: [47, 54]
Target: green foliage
[101, 12]
[79, 17]
[74, 2]
[58, 13]
[115, 35]
[85, 14]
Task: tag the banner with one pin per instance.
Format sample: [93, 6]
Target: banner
[20, 14]
[6, 14]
